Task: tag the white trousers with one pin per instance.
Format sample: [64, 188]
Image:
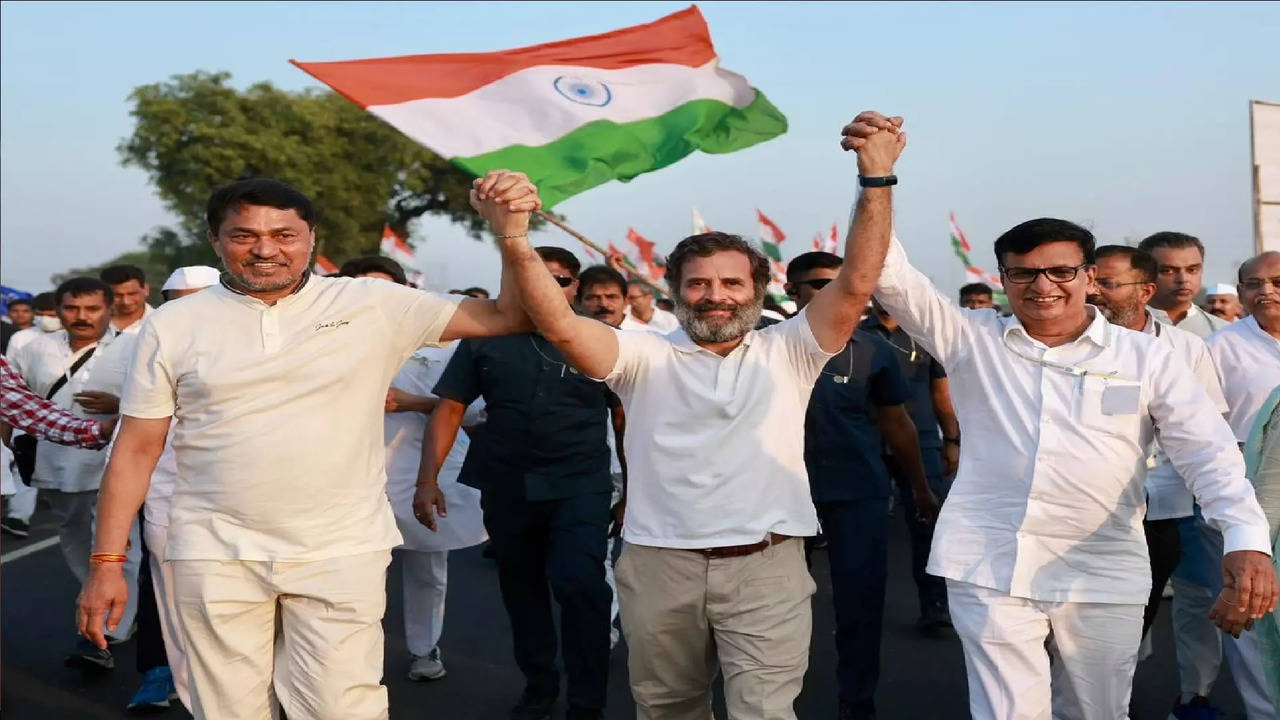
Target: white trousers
[610, 580]
[75, 513]
[22, 503]
[162, 582]
[326, 663]
[1199, 644]
[426, 578]
[1095, 649]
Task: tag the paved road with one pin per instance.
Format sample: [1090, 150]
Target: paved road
[922, 677]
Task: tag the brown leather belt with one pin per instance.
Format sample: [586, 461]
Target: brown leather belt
[729, 551]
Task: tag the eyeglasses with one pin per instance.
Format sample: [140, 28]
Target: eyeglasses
[563, 280]
[1112, 285]
[1256, 284]
[1026, 275]
[815, 283]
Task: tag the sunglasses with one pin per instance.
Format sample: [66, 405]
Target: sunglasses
[1026, 275]
[815, 283]
[564, 280]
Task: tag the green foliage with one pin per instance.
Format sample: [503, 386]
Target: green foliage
[195, 132]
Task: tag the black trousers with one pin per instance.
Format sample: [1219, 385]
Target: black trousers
[150, 639]
[1164, 546]
[857, 534]
[555, 548]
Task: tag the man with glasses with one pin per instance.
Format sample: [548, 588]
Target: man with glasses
[541, 463]
[1125, 282]
[1041, 534]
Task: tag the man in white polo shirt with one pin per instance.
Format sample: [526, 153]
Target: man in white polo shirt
[1041, 533]
[275, 382]
[713, 567]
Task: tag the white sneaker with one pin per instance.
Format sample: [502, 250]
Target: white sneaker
[427, 667]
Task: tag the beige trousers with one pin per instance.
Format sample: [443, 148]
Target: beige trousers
[682, 611]
[326, 663]
[175, 650]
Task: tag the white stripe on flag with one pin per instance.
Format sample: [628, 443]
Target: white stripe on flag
[531, 108]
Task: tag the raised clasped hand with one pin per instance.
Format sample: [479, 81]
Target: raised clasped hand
[877, 139]
[505, 199]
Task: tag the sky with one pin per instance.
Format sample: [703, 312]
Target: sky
[1127, 118]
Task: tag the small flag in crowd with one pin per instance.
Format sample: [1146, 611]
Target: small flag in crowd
[324, 266]
[699, 225]
[973, 273]
[571, 114]
[395, 247]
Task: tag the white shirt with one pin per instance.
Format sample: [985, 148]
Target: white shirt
[715, 445]
[41, 362]
[21, 338]
[1049, 500]
[1168, 496]
[662, 322]
[403, 433]
[278, 414]
[1248, 360]
[1196, 321]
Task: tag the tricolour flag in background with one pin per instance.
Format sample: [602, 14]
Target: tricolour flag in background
[973, 273]
[395, 247]
[643, 245]
[324, 266]
[699, 225]
[771, 237]
[571, 114]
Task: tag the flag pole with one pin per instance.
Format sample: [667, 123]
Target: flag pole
[586, 241]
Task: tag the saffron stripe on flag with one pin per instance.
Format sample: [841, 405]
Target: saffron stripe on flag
[681, 38]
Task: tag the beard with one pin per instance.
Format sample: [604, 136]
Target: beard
[1123, 315]
[703, 330]
[246, 282]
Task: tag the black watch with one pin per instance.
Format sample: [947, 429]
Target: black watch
[952, 440]
[883, 181]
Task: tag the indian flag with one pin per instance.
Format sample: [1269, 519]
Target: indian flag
[771, 237]
[571, 114]
[395, 247]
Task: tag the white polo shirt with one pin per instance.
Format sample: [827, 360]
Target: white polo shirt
[1168, 496]
[1049, 501]
[662, 322]
[278, 414]
[715, 445]
[1248, 360]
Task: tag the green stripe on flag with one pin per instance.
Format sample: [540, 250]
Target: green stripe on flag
[772, 250]
[604, 150]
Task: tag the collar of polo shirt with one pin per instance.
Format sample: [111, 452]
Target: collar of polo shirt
[1098, 331]
[681, 341]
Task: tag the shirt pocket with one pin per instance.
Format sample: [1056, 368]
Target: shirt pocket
[1110, 405]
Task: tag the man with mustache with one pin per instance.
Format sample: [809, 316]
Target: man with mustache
[1222, 300]
[713, 570]
[1041, 534]
[280, 533]
[67, 477]
[541, 463]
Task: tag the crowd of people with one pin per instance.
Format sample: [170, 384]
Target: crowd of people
[659, 474]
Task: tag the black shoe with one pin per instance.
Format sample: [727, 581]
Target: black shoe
[532, 707]
[848, 712]
[935, 617]
[581, 713]
[88, 656]
[15, 527]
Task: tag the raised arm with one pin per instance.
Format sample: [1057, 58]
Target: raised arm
[488, 318]
[505, 199]
[835, 310]
[124, 487]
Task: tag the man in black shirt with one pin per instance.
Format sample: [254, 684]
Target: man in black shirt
[541, 463]
[930, 409]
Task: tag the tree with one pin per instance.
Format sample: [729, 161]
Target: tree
[195, 133]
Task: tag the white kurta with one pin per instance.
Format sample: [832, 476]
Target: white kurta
[463, 526]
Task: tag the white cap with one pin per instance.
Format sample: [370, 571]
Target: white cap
[1221, 289]
[192, 277]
